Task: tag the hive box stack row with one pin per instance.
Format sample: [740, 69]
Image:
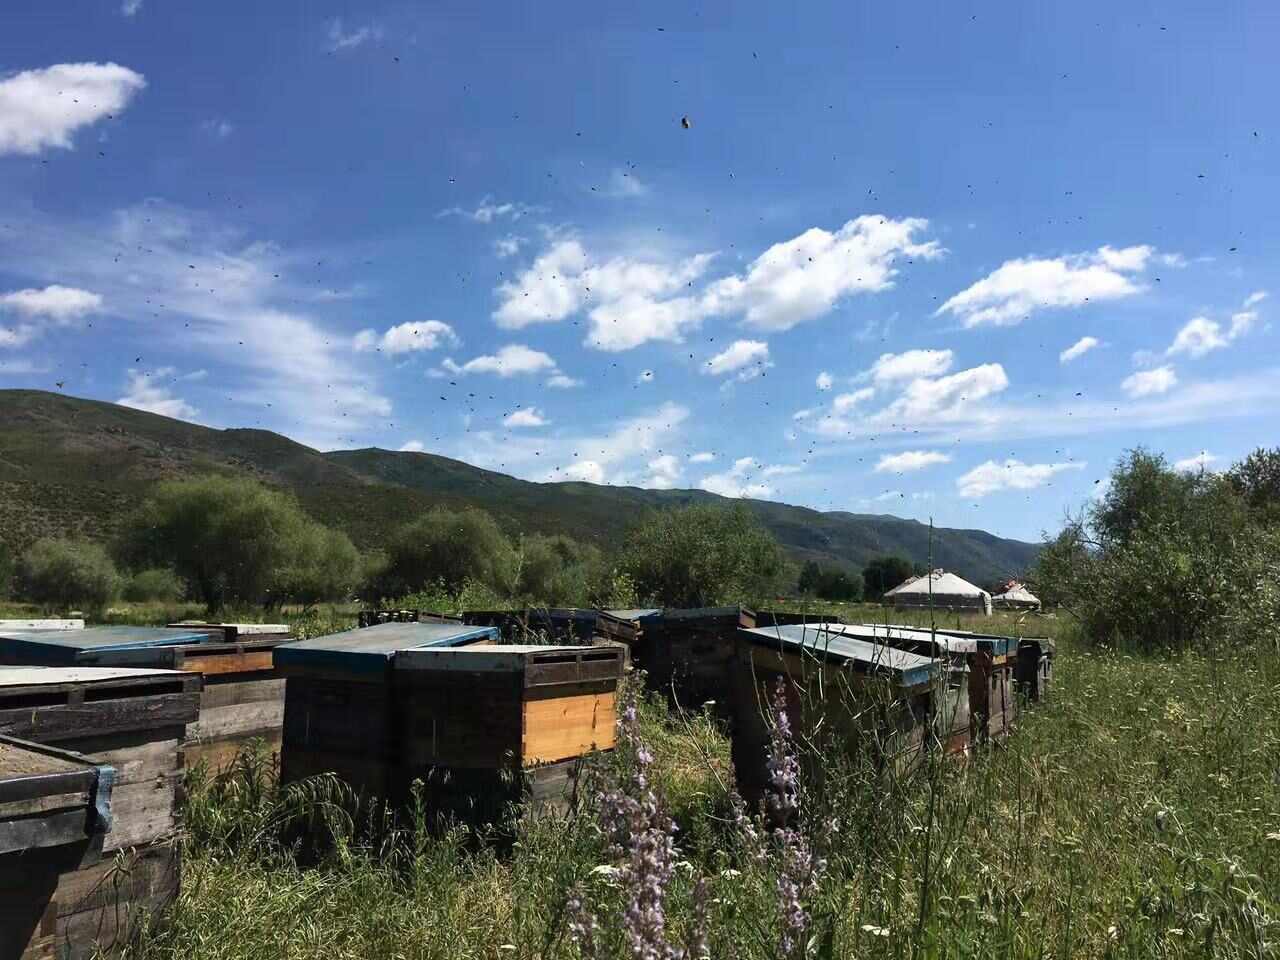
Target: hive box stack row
[242, 698]
[480, 724]
[71, 899]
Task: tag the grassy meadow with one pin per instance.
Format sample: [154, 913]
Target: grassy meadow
[1134, 814]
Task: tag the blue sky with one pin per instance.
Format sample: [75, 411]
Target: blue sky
[941, 259]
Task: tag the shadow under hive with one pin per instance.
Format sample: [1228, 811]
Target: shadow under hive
[339, 712]
[128, 724]
[858, 696]
[484, 725]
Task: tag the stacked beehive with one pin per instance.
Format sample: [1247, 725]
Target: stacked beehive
[132, 721]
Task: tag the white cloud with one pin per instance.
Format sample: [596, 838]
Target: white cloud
[525, 417]
[741, 356]
[633, 300]
[1077, 349]
[60, 304]
[1197, 337]
[843, 403]
[1017, 288]
[888, 495]
[737, 481]
[487, 211]
[1146, 383]
[892, 367]
[910, 460]
[1255, 298]
[1241, 323]
[702, 457]
[413, 446]
[43, 108]
[805, 277]
[624, 184]
[192, 283]
[664, 472]
[130, 7]
[991, 477]
[340, 38]
[512, 360]
[562, 381]
[221, 129]
[509, 245]
[623, 456]
[18, 336]
[143, 391]
[406, 338]
[824, 381]
[1200, 461]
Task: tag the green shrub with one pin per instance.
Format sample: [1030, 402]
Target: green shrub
[558, 571]
[448, 547]
[883, 574]
[68, 573]
[830, 583]
[7, 566]
[701, 555]
[235, 541]
[157, 583]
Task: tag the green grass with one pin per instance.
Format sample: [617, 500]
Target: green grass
[1135, 814]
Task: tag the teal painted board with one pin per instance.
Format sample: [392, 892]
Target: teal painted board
[370, 649]
[904, 668]
[61, 648]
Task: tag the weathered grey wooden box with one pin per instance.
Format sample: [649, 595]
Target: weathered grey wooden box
[865, 697]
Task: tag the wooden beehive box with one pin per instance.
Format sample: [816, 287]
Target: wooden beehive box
[864, 696]
[242, 698]
[55, 807]
[790, 618]
[131, 721]
[1034, 671]
[987, 660]
[339, 705]
[536, 624]
[693, 651]
[484, 723]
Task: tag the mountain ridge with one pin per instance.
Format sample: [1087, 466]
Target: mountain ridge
[74, 466]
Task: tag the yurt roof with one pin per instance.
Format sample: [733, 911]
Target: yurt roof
[944, 583]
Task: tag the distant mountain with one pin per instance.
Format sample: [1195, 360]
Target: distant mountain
[78, 467]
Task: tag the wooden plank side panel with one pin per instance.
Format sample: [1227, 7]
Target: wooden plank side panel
[65, 723]
[563, 728]
[459, 720]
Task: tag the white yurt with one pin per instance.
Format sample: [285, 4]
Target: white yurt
[942, 591]
[1016, 597]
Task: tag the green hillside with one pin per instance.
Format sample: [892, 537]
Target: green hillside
[72, 466]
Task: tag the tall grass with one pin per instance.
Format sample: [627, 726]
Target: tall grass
[1136, 813]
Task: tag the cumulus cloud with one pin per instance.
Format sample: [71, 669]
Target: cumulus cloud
[1255, 298]
[701, 457]
[563, 381]
[806, 276]
[746, 358]
[489, 211]
[509, 245]
[525, 417]
[664, 472]
[738, 481]
[130, 7]
[36, 308]
[992, 477]
[844, 403]
[910, 460]
[1017, 288]
[1200, 461]
[1147, 383]
[413, 446]
[633, 300]
[1077, 349]
[406, 338]
[44, 108]
[892, 367]
[624, 184]
[622, 456]
[511, 361]
[146, 391]
[824, 381]
[342, 38]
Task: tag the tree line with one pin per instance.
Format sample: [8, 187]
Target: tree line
[1170, 559]
[234, 542]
